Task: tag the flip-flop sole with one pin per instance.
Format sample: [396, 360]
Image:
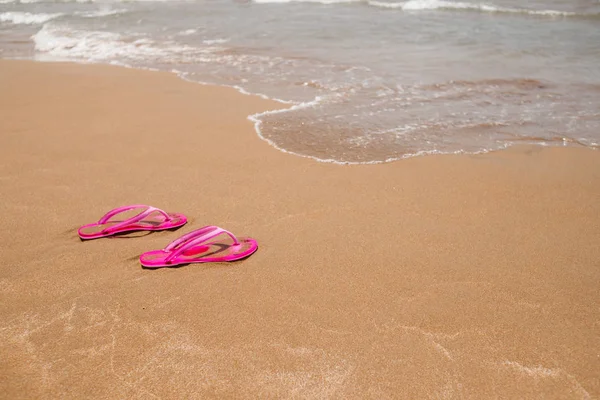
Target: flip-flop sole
[153, 223]
[210, 252]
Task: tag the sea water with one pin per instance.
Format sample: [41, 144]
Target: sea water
[359, 81]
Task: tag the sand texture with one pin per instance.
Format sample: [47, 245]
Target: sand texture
[442, 277]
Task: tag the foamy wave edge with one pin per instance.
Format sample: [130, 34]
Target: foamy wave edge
[306, 1]
[25, 18]
[256, 119]
[101, 13]
[81, 1]
[418, 5]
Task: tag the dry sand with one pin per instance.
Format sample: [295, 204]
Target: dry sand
[434, 277]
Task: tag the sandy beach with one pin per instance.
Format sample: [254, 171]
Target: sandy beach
[439, 277]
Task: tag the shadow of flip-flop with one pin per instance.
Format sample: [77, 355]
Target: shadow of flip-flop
[69, 233]
[130, 235]
[124, 235]
[207, 265]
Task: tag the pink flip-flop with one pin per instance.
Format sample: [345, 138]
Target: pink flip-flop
[196, 248]
[148, 219]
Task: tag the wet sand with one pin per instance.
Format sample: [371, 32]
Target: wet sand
[433, 277]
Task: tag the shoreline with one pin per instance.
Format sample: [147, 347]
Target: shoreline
[293, 106]
[469, 276]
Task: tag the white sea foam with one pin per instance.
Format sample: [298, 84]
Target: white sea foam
[94, 46]
[25, 18]
[257, 120]
[21, 1]
[187, 32]
[186, 77]
[101, 13]
[84, 1]
[385, 4]
[215, 41]
[416, 5]
[306, 1]
[263, 70]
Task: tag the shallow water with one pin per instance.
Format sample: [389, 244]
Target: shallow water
[366, 81]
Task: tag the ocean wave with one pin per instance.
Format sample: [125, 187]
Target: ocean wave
[96, 46]
[82, 1]
[187, 32]
[25, 18]
[101, 13]
[307, 1]
[258, 121]
[423, 5]
[215, 41]
[416, 5]
[355, 118]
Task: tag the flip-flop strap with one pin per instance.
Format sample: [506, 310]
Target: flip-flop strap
[136, 218]
[119, 210]
[197, 238]
[190, 236]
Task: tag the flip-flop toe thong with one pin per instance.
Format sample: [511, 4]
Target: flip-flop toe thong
[200, 246]
[119, 220]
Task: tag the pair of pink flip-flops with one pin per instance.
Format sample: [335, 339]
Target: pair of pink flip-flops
[194, 247]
